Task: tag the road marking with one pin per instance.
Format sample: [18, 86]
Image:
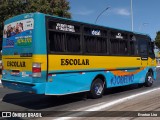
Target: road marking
[99, 107]
[121, 100]
[0, 83]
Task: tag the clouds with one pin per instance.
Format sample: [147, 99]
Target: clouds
[84, 11]
[116, 11]
[121, 11]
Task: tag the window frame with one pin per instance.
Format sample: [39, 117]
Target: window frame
[151, 46]
[63, 21]
[92, 27]
[113, 34]
[108, 37]
[136, 47]
[141, 38]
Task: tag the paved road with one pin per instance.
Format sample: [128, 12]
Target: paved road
[11, 100]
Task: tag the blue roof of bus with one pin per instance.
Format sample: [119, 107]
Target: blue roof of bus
[22, 15]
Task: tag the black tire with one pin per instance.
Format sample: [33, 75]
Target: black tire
[149, 79]
[97, 88]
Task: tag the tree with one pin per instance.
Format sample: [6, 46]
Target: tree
[157, 39]
[10, 8]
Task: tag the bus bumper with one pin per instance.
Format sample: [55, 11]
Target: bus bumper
[37, 88]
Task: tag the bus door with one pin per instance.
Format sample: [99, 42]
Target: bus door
[143, 51]
[151, 55]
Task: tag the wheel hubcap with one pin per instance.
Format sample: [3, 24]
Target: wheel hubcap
[150, 79]
[98, 89]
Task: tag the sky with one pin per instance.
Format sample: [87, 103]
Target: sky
[146, 14]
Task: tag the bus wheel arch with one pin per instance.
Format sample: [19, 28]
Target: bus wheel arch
[102, 77]
[97, 87]
[151, 71]
[149, 78]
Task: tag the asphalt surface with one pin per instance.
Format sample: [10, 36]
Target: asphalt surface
[11, 100]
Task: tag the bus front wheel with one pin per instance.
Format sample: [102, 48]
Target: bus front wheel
[97, 88]
[149, 79]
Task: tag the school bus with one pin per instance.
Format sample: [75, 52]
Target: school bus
[50, 55]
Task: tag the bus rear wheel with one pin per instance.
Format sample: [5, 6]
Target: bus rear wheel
[149, 79]
[97, 88]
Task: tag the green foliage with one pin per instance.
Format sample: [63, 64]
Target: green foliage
[157, 39]
[10, 8]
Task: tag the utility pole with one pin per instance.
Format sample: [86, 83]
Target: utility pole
[132, 16]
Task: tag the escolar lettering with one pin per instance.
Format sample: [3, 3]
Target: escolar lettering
[16, 64]
[74, 61]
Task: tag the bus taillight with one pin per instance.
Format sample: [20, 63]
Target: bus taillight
[36, 70]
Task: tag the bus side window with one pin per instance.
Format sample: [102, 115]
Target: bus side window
[114, 46]
[56, 41]
[133, 45]
[119, 43]
[143, 45]
[151, 50]
[95, 44]
[133, 48]
[95, 40]
[73, 43]
[64, 37]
